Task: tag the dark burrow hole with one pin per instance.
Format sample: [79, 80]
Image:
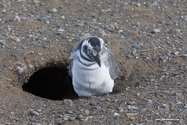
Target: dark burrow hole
[52, 83]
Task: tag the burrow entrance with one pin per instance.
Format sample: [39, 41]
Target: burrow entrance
[52, 83]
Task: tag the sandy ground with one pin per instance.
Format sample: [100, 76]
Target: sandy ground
[148, 40]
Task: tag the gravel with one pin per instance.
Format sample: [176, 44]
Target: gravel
[147, 38]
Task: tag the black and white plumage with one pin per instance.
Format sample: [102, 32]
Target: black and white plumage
[92, 67]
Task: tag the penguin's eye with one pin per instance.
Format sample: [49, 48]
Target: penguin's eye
[89, 50]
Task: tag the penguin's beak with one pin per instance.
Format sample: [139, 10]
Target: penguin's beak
[97, 59]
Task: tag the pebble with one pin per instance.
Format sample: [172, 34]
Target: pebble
[6, 123]
[61, 6]
[24, 9]
[155, 30]
[68, 102]
[72, 118]
[170, 32]
[177, 30]
[54, 10]
[80, 116]
[44, 38]
[155, 59]
[40, 54]
[6, 65]
[33, 113]
[92, 103]
[131, 114]
[176, 73]
[3, 11]
[185, 55]
[176, 53]
[70, 112]
[168, 54]
[185, 107]
[129, 55]
[120, 109]
[165, 107]
[132, 107]
[138, 4]
[38, 124]
[164, 58]
[116, 114]
[133, 51]
[32, 120]
[59, 123]
[136, 46]
[87, 112]
[96, 107]
[36, 2]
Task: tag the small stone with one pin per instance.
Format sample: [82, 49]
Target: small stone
[68, 102]
[60, 30]
[6, 123]
[176, 53]
[39, 110]
[138, 4]
[96, 107]
[3, 11]
[164, 58]
[66, 117]
[70, 112]
[165, 107]
[59, 123]
[61, 6]
[72, 118]
[40, 54]
[177, 30]
[32, 52]
[44, 38]
[155, 30]
[170, 32]
[136, 46]
[116, 114]
[34, 113]
[154, 58]
[131, 114]
[80, 116]
[129, 55]
[38, 124]
[92, 103]
[143, 110]
[185, 55]
[12, 113]
[54, 10]
[176, 73]
[62, 17]
[32, 120]
[30, 36]
[36, 2]
[131, 118]
[6, 65]
[168, 54]
[133, 51]
[185, 107]
[152, 80]
[47, 22]
[120, 109]
[24, 9]
[132, 107]
[87, 112]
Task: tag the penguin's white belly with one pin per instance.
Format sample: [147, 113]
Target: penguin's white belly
[91, 80]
